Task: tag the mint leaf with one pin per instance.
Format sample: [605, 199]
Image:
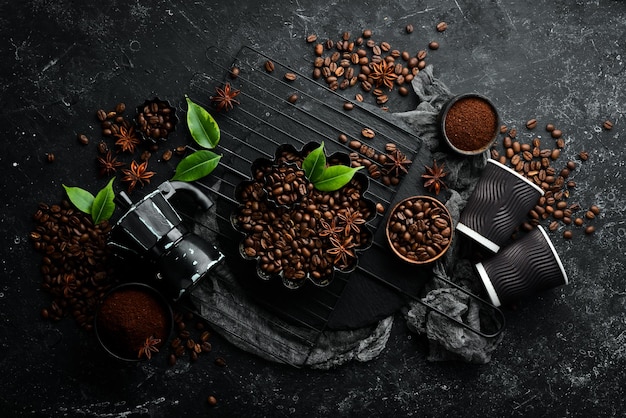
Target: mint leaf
[335, 177]
[103, 205]
[314, 164]
[202, 126]
[197, 165]
[81, 198]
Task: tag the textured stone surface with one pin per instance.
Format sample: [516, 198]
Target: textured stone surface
[561, 62]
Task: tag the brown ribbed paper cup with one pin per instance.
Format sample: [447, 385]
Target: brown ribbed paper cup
[527, 266]
[499, 204]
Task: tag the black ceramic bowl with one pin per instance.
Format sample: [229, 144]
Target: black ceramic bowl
[469, 123]
[141, 304]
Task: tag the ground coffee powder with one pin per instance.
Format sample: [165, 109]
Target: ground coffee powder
[128, 317]
[471, 124]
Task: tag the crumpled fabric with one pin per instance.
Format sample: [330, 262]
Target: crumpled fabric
[448, 340]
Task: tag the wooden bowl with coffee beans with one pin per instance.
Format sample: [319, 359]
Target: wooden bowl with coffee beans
[295, 232]
[419, 230]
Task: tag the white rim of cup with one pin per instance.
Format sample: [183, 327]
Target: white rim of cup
[490, 245]
[491, 291]
[498, 164]
[556, 255]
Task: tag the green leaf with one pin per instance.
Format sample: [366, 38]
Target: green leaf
[335, 177]
[314, 164]
[81, 198]
[202, 126]
[103, 205]
[197, 165]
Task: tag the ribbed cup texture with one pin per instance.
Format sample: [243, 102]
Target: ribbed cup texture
[499, 204]
[525, 267]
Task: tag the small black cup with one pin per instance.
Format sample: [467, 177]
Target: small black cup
[527, 266]
[499, 204]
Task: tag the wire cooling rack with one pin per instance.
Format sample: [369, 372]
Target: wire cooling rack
[264, 119]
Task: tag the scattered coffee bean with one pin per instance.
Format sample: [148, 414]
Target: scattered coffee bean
[311, 38]
[290, 76]
[50, 157]
[433, 45]
[368, 133]
[531, 124]
[234, 72]
[608, 125]
[367, 33]
[348, 106]
[441, 26]
[409, 28]
[212, 401]
[293, 98]
[590, 230]
[556, 133]
[269, 66]
[82, 138]
[567, 234]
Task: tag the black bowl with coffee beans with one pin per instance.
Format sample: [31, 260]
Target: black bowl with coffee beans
[295, 232]
[156, 119]
[419, 230]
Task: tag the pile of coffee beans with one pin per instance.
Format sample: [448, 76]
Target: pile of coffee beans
[376, 162]
[156, 119]
[310, 237]
[419, 229]
[74, 267]
[351, 60]
[536, 161]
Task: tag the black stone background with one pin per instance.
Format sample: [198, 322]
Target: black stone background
[560, 61]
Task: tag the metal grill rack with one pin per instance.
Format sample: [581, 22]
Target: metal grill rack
[262, 121]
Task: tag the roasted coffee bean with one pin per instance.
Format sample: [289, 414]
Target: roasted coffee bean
[441, 26]
[292, 98]
[590, 230]
[368, 133]
[409, 28]
[433, 45]
[367, 33]
[583, 155]
[50, 157]
[82, 138]
[212, 400]
[290, 76]
[234, 72]
[550, 127]
[567, 234]
[595, 209]
[556, 133]
[608, 125]
[531, 124]
[348, 106]
[311, 38]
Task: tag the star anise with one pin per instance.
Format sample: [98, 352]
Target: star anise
[434, 176]
[149, 347]
[126, 139]
[396, 164]
[342, 251]
[224, 98]
[108, 164]
[351, 220]
[383, 73]
[329, 229]
[136, 174]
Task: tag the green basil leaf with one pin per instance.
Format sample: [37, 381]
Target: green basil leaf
[335, 177]
[103, 205]
[81, 198]
[314, 164]
[202, 126]
[197, 165]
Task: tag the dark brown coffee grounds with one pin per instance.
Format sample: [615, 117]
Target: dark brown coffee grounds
[470, 124]
[128, 317]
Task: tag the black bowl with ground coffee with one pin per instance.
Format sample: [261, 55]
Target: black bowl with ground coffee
[469, 123]
[133, 321]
